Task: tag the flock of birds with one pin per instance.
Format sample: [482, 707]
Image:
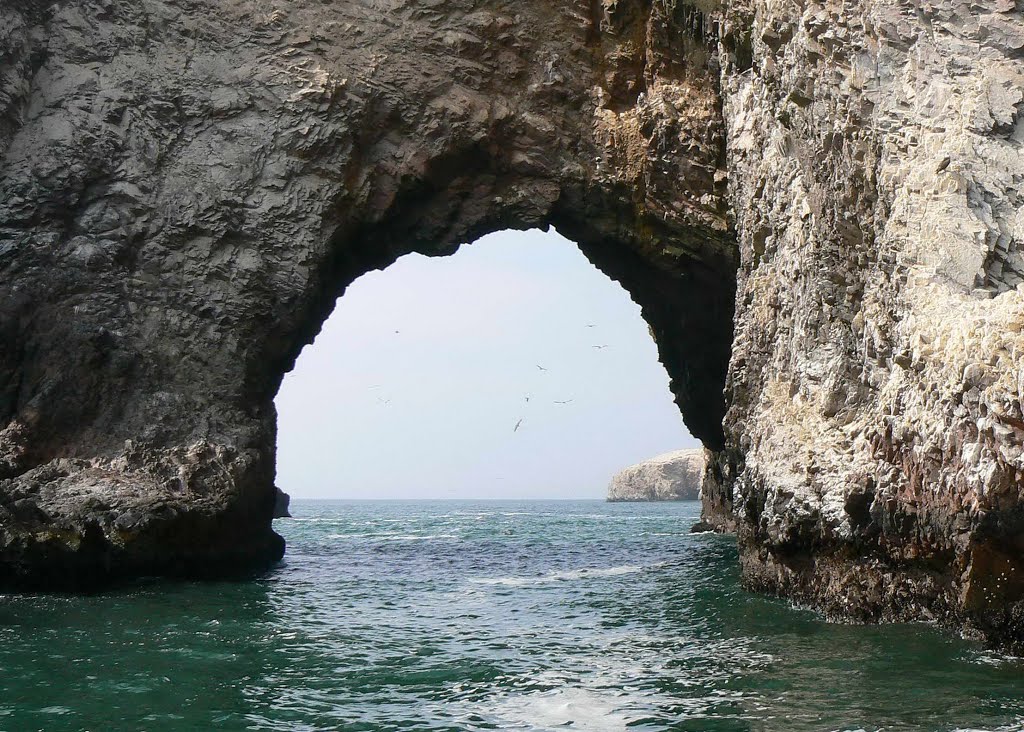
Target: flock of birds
[557, 401]
[519, 423]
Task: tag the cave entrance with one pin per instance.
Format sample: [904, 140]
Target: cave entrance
[511, 369]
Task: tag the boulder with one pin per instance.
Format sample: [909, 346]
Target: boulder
[281, 501]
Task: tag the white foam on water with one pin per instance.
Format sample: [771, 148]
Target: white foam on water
[993, 658]
[612, 517]
[574, 574]
[571, 708]
[393, 537]
[59, 710]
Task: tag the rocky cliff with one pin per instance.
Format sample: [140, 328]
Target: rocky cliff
[817, 206]
[673, 476]
[873, 452]
[187, 186]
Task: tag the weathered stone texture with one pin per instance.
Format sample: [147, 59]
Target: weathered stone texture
[876, 161]
[673, 476]
[281, 503]
[186, 186]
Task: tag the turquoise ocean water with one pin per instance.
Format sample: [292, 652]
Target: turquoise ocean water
[460, 615]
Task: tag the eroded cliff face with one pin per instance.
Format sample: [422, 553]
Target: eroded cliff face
[672, 476]
[876, 161]
[186, 186]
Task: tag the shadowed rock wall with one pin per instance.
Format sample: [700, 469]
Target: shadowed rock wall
[187, 186]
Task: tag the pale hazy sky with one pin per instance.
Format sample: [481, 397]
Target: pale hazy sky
[419, 377]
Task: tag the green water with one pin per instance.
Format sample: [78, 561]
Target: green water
[485, 615]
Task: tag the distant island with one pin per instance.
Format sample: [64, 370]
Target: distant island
[673, 476]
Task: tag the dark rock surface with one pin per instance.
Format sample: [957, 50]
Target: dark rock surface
[281, 503]
[186, 186]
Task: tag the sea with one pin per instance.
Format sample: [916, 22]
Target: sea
[485, 615]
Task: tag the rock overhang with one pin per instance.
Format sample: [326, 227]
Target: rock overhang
[182, 205]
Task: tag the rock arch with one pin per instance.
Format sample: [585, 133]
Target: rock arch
[186, 193]
[186, 185]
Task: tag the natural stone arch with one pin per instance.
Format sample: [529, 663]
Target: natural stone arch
[182, 203]
[187, 184]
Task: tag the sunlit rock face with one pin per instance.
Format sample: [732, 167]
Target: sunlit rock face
[186, 186]
[673, 476]
[873, 460]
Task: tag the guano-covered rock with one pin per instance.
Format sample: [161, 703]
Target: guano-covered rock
[673, 476]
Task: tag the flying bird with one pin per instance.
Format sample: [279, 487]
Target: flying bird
[516, 428]
[385, 402]
[527, 398]
[541, 367]
[564, 402]
[591, 325]
[599, 347]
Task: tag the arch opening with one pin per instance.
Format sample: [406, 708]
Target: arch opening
[681, 276]
[512, 369]
[198, 427]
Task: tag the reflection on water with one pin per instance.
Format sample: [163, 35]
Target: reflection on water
[485, 615]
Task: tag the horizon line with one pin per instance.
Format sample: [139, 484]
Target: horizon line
[443, 498]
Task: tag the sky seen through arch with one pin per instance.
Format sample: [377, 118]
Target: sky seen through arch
[417, 382]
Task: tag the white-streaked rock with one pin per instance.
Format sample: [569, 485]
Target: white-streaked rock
[672, 476]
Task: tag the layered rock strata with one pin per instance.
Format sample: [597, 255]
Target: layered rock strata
[186, 186]
[672, 476]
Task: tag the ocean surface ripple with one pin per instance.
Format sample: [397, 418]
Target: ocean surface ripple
[491, 615]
